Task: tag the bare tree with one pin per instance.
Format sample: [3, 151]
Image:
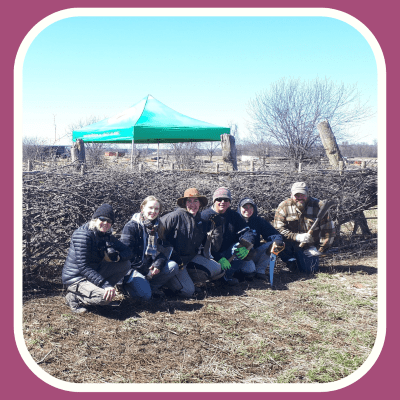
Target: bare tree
[288, 113]
[212, 148]
[185, 153]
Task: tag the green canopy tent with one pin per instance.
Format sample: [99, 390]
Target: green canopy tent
[149, 121]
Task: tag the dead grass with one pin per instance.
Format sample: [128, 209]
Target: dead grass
[317, 328]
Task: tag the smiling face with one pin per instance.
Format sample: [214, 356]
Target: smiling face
[151, 210]
[300, 199]
[192, 205]
[247, 210]
[103, 224]
[221, 205]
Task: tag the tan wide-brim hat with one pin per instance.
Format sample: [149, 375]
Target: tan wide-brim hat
[192, 192]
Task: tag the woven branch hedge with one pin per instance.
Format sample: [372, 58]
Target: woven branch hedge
[58, 202]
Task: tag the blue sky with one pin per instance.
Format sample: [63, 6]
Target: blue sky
[208, 68]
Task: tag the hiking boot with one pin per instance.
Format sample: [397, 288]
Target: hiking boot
[261, 276]
[292, 265]
[74, 304]
[230, 282]
[249, 276]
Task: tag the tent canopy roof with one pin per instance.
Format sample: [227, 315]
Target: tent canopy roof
[149, 121]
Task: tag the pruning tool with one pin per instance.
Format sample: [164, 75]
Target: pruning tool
[275, 250]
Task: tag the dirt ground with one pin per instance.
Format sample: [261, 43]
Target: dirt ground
[317, 328]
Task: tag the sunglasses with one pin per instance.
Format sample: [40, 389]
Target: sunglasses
[104, 219]
[221, 199]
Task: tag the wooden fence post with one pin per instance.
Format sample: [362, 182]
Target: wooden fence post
[363, 164]
[252, 165]
[341, 167]
[217, 168]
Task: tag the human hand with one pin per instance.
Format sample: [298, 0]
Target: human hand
[312, 252]
[113, 257]
[277, 246]
[218, 219]
[109, 293]
[225, 264]
[154, 270]
[241, 252]
[304, 238]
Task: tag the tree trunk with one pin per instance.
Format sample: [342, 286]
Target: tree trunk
[329, 142]
[229, 153]
[78, 153]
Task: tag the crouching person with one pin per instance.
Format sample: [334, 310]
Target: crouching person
[260, 253]
[293, 219]
[151, 267]
[193, 240]
[96, 261]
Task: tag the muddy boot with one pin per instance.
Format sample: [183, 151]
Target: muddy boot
[261, 276]
[74, 304]
[292, 265]
[229, 282]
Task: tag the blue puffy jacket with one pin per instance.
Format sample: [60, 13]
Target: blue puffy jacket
[85, 254]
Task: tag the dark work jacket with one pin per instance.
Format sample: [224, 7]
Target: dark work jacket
[134, 236]
[86, 253]
[232, 224]
[260, 226]
[185, 233]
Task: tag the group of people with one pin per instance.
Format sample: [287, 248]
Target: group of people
[190, 246]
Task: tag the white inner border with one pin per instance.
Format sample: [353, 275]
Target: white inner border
[198, 12]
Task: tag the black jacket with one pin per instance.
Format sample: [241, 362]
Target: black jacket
[232, 225]
[260, 226]
[185, 233]
[134, 236]
[85, 254]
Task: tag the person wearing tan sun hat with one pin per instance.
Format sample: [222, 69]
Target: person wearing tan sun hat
[187, 232]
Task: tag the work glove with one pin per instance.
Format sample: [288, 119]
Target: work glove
[240, 252]
[217, 219]
[304, 238]
[112, 257]
[225, 264]
[312, 252]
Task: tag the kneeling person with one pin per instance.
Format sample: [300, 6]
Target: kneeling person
[293, 219]
[187, 232]
[96, 261]
[260, 256]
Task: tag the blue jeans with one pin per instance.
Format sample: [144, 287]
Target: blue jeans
[305, 264]
[138, 286]
[258, 264]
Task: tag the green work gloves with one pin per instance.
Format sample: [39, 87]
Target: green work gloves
[225, 264]
[241, 252]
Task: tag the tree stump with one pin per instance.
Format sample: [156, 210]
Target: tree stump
[229, 153]
[78, 153]
[329, 142]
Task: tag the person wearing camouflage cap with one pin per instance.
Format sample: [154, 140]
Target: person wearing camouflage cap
[293, 219]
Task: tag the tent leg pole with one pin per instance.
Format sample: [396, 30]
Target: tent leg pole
[158, 155]
[132, 155]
